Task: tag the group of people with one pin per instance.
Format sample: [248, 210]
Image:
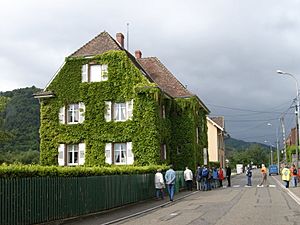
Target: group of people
[159, 182]
[287, 174]
[211, 177]
[206, 179]
[290, 174]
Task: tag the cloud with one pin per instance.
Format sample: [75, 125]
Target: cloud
[225, 51]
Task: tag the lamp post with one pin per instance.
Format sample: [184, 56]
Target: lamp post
[277, 147]
[297, 113]
[271, 152]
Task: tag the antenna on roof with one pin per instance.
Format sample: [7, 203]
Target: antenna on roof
[127, 37]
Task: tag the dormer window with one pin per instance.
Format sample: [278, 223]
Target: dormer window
[94, 73]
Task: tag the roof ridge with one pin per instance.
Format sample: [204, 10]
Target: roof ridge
[101, 34]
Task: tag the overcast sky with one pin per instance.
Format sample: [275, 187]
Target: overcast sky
[227, 52]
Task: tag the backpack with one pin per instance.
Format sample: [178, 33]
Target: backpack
[204, 172]
[249, 173]
[199, 174]
[215, 174]
[295, 171]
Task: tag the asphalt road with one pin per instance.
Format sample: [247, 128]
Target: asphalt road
[237, 205]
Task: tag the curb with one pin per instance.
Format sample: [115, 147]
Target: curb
[150, 209]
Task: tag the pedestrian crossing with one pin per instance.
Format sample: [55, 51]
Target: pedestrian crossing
[246, 186]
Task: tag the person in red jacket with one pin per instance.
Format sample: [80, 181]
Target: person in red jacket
[294, 174]
[221, 176]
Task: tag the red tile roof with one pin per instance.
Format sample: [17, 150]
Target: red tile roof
[219, 120]
[164, 78]
[98, 45]
[153, 69]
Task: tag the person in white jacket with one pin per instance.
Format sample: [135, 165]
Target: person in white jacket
[188, 177]
[159, 184]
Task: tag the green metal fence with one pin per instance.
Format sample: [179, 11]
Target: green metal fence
[39, 199]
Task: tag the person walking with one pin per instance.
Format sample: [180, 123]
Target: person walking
[205, 173]
[170, 178]
[199, 177]
[286, 176]
[188, 178]
[228, 175]
[294, 174]
[159, 184]
[221, 176]
[263, 171]
[249, 175]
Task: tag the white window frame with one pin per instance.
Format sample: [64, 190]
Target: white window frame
[119, 111]
[112, 149]
[74, 149]
[115, 111]
[122, 152]
[73, 113]
[77, 111]
[87, 71]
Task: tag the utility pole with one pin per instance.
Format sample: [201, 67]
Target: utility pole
[283, 137]
[278, 153]
[297, 130]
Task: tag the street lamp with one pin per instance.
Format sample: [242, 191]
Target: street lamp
[297, 113]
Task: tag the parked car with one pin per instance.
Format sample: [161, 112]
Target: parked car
[273, 169]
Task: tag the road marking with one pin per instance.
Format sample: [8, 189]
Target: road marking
[290, 193]
[272, 185]
[173, 214]
[236, 186]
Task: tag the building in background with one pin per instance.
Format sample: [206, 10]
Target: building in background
[215, 136]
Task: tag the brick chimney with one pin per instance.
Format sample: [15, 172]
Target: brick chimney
[120, 39]
[138, 54]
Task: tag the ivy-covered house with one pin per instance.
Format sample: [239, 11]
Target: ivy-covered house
[106, 106]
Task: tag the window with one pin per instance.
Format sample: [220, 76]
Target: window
[118, 111]
[72, 114]
[119, 153]
[163, 152]
[71, 154]
[94, 73]
[163, 111]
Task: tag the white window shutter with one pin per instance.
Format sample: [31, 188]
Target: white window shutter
[81, 153]
[61, 155]
[129, 107]
[107, 111]
[130, 156]
[84, 73]
[104, 73]
[81, 112]
[61, 115]
[108, 155]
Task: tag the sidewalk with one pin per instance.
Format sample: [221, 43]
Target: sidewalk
[120, 213]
